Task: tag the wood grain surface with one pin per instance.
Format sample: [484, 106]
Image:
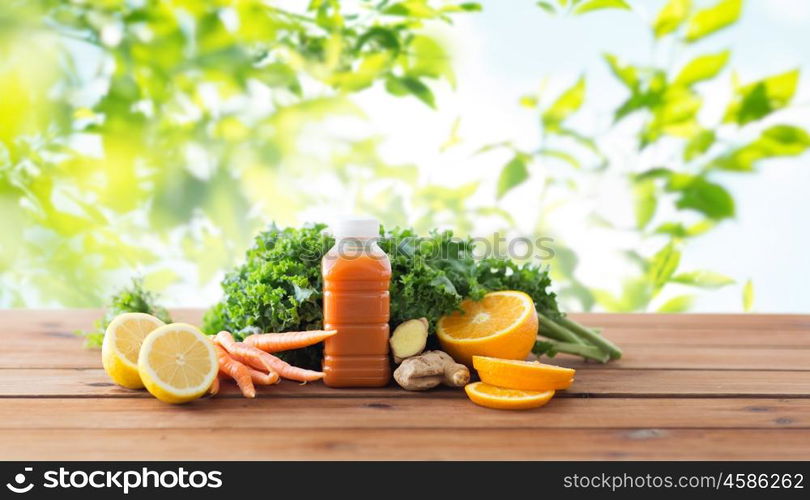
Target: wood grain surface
[724, 387]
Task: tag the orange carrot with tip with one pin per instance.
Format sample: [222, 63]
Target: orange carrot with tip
[276, 342]
[214, 389]
[261, 378]
[263, 361]
[237, 371]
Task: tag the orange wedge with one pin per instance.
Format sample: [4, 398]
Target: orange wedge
[499, 398]
[502, 325]
[524, 375]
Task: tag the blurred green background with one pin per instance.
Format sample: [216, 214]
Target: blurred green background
[153, 138]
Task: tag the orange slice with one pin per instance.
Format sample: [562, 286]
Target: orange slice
[499, 398]
[524, 375]
[502, 325]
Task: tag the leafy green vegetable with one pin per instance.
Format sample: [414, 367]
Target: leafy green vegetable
[278, 288]
[134, 298]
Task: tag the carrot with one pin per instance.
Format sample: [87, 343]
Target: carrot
[275, 342]
[291, 372]
[244, 353]
[214, 389]
[237, 371]
[261, 378]
[263, 361]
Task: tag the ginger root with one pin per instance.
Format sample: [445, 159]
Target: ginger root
[429, 369]
[409, 339]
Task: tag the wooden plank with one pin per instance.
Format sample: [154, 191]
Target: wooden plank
[649, 321]
[45, 339]
[61, 354]
[593, 382]
[700, 358]
[628, 337]
[404, 413]
[396, 444]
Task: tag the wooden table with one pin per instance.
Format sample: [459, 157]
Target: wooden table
[689, 387]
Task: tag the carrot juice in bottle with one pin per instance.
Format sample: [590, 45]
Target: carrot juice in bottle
[356, 276]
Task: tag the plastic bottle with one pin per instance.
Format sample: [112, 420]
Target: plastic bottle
[356, 276]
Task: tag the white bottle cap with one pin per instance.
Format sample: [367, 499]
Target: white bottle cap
[355, 227]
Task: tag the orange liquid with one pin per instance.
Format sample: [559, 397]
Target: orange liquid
[356, 304]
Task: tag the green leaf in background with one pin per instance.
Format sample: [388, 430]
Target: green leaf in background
[428, 58]
[547, 6]
[748, 296]
[696, 193]
[663, 265]
[370, 67]
[670, 17]
[653, 173]
[463, 7]
[679, 304]
[646, 202]
[635, 296]
[675, 114]
[703, 279]
[565, 105]
[528, 101]
[160, 279]
[560, 155]
[761, 98]
[702, 68]
[412, 8]
[775, 141]
[513, 174]
[400, 86]
[626, 73]
[698, 144]
[712, 19]
[679, 230]
[591, 5]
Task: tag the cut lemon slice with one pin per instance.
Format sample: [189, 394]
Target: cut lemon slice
[499, 398]
[524, 375]
[122, 342]
[177, 363]
[502, 324]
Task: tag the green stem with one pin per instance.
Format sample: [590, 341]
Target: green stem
[592, 338]
[552, 330]
[552, 347]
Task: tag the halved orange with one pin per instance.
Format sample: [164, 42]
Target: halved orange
[524, 375]
[502, 325]
[499, 398]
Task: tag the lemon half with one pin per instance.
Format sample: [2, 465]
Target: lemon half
[122, 342]
[177, 363]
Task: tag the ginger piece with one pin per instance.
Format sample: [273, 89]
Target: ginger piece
[429, 369]
[409, 339]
